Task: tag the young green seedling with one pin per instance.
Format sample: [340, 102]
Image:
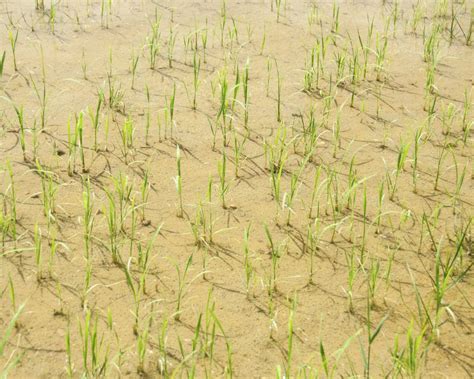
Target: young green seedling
[13, 38]
[179, 184]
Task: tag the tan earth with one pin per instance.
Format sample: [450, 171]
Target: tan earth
[367, 144]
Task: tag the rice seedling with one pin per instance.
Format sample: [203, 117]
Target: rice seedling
[402, 155]
[198, 228]
[313, 16]
[48, 192]
[336, 132]
[245, 89]
[69, 363]
[366, 48]
[38, 252]
[466, 108]
[314, 191]
[224, 186]
[84, 65]
[53, 245]
[13, 38]
[289, 196]
[233, 33]
[444, 279]
[95, 360]
[430, 87]
[278, 9]
[21, 123]
[416, 147]
[179, 184]
[132, 225]
[116, 94]
[127, 134]
[39, 4]
[249, 270]
[291, 326]
[352, 271]
[466, 133]
[87, 203]
[278, 92]
[355, 74]
[395, 17]
[264, 40]
[431, 45]
[171, 109]
[144, 257]
[371, 336]
[79, 139]
[171, 45]
[87, 284]
[223, 21]
[372, 280]
[409, 359]
[52, 16]
[364, 226]
[4, 224]
[41, 95]
[238, 152]
[326, 367]
[5, 340]
[95, 118]
[335, 18]
[2, 63]
[162, 342]
[136, 290]
[460, 175]
[142, 345]
[276, 252]
[224, 105]
[196, 80]
[182, 274]
[72, 144]
[113, 229]
[276, 184]
[380, 200]
[13, 202]
[470, 29]
[11, 292]
[340, 59]
[188, 43]
[442, 154]
[147, 114]
[381, 43]
[204, 41]
[133, 67]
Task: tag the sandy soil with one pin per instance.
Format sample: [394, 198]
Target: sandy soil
[189, 309]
